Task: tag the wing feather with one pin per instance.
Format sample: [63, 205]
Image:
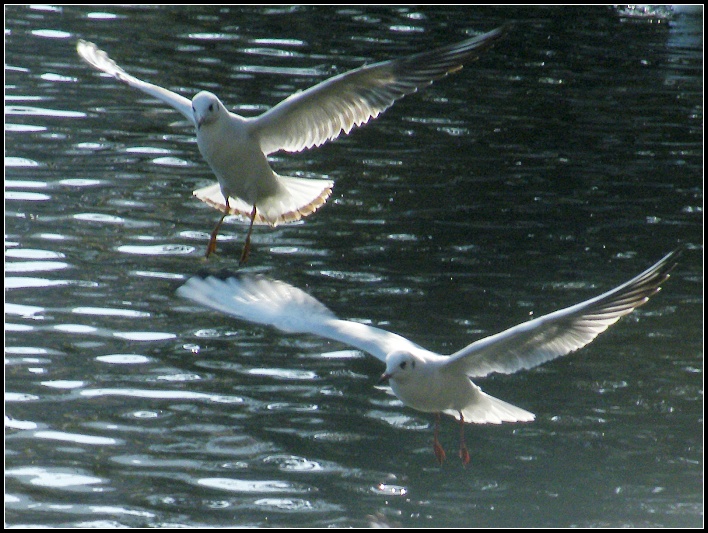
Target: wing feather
[562, 332]
[274, 303]
[99, 60]
[320, 113]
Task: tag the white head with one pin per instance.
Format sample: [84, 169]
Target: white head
[400, 366]
[206, 108]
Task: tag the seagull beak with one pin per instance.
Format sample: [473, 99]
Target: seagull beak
[384, 377]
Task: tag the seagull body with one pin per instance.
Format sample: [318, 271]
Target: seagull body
[421, 379]
[236, 147]
[436, 388]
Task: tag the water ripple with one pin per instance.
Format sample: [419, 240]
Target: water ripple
[26, 311]
[43, 112]
[123, 359]
[144, 336]
[53, 478]
[35, 266]
[26, 196]
[162, 394]
[27, 282]
[295, 464]
[29, 253]
[99, 217]
[74, 437]
[249, 486]
[283, 373]
[51, 34]
[104, 311]
[161, 249]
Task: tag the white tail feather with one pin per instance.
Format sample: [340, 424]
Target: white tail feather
[487, 409]
[296, 198]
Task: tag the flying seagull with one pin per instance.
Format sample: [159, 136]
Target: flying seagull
[236, 147]
[422, 379]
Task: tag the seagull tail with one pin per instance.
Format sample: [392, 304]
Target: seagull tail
[487, 409]
[296, 198]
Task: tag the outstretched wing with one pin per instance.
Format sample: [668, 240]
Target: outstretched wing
[274, 303]
[98, 59]
[556, 334]
[320, 113]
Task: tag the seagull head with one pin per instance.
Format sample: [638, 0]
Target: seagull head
[400, 366]
[206, 108]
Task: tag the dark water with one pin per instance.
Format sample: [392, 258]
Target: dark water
[565, 161]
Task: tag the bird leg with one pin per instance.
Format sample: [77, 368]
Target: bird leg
[437, 448]
[464, 454]
[247, 245]
[211, 248]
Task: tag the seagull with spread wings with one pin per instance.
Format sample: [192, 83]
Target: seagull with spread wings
[236, 147]
[422, 379]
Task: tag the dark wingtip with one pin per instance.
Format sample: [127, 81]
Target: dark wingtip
[674, 256]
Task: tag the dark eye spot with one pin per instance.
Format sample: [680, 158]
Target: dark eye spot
[413, 364]
[211, 107]
[402, 365]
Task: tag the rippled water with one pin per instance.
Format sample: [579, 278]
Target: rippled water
[565, 161]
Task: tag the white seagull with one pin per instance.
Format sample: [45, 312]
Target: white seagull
[236, 147]
[422, 379]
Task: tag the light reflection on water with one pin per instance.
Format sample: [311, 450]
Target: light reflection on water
[560, 165]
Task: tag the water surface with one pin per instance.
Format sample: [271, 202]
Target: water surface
[562, 163]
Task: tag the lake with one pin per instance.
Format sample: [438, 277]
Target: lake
[563, 162]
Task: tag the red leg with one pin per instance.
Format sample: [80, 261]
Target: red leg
[437, 448]
[247, 245]
[211, 248]
[464, 454]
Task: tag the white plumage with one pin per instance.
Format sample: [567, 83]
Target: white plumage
[420, 378]
[236, 147]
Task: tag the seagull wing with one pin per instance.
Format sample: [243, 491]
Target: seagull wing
[98, 59]
[556, 334]
[318, 114]
[274, 303]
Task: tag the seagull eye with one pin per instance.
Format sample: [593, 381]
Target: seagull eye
[211, 107]
[402, 365]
